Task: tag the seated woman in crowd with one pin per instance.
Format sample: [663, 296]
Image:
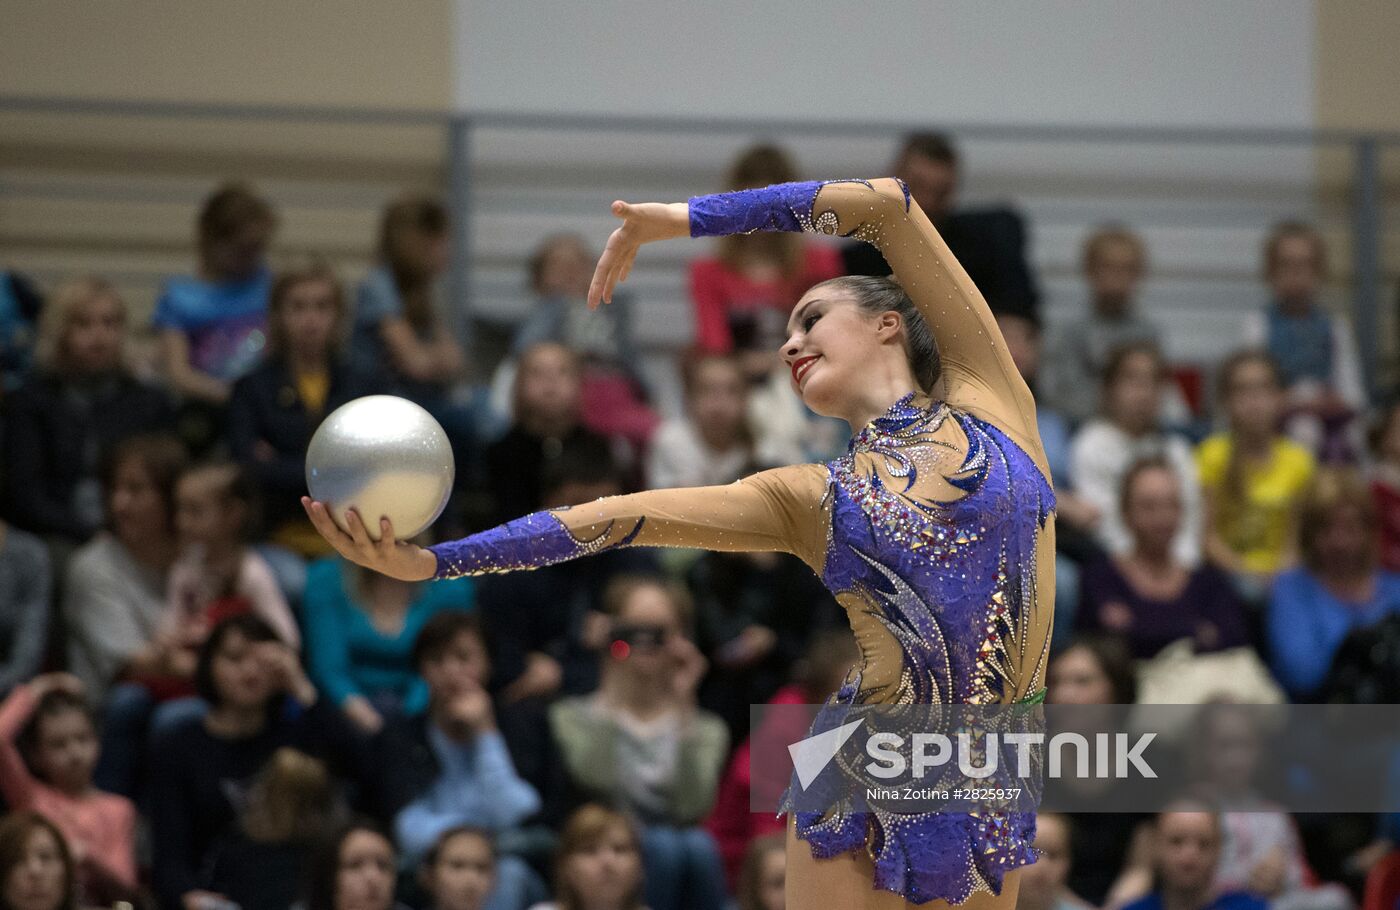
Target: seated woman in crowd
[360, 633]
[277, 407]
[37, 871]
[598, 864]
[459, 872]
[259, 700]
[355, 869]
[81, 401]
[1338, 587]
[291, 806]
[1045, 886]
[613, 395]
[712, 443]
[211, 323]
[1252, 476]
[48, 726]
[1315, 350]
[1128, 431]
[1185, 857]
[1146, 595]
[641, 742]
[25, 585]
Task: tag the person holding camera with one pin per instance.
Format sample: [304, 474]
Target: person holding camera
[642, 743]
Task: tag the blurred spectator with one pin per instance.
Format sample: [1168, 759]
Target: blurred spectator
[260, 862]
[754, 615]
[218, 574]
[990, 243]
[712, 443]
[212, 324]
[762, 882]
[747, 291]
[360, 629]
[546, 425]
[259, 700]
[1261, 852]
[449, 765]
[81, 401]
[1146, 595]
[1076, 519]
[459, 872]
[276, 408]
[599, 863]
[25, 583]
[1129, 430]
[1316, 351]
[20, 303]
[116, 585]
[1339, 586]
[1114, 262]
[1108, 849]
[356, 869]
[1385, 484]
[642, 743]
[1251, 476]
[47, 725]
[829, 657]
[612, 395]
[1045, 883]
[1185, 857]
[36, 867]
[547, 627]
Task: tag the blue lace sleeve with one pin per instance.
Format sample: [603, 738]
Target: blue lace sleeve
[784, 207]
[538, 539]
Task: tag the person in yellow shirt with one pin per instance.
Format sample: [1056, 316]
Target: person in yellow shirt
[1252, 475]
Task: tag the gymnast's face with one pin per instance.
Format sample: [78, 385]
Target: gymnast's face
[832, 343]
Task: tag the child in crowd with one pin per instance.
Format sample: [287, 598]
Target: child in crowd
[48, 722]
[211, 324]
[598, 863]
[459, 872]
[1045, 883]
[641, 741]
[36, 868]
[1252, 477]
[712, 443]
[761, 883]
[218, 574]
[1130, 430]
[290, 806]
[1114, 263]
[450, 766]
[1315, 350]
[356, 869]
[1385, 484]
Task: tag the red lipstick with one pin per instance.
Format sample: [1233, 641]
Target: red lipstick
[800, 366]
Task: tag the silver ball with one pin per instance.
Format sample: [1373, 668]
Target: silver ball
[383, 456]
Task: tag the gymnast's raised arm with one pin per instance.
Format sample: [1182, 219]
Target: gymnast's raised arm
[779, 510]
[979, 375]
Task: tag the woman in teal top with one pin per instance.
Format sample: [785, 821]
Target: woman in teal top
[359, 631]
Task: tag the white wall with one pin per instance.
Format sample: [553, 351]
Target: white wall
[1183, 62]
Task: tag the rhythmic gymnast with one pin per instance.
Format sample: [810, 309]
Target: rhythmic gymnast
[935, 531]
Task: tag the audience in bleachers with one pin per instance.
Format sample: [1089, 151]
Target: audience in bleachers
[1130, 429]
[1337, 587]
[1252, 476]
[1147, 596]
[80, 401]
[471, 718]
[1315, 350]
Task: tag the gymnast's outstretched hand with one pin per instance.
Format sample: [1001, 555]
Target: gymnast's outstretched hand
[645, 222]
[394, 558]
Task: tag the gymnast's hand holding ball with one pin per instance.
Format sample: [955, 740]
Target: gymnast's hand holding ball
[374, 464]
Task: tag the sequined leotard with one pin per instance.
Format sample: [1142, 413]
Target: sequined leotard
[934, 532]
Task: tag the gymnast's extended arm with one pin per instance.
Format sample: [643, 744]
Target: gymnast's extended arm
[778, 510]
